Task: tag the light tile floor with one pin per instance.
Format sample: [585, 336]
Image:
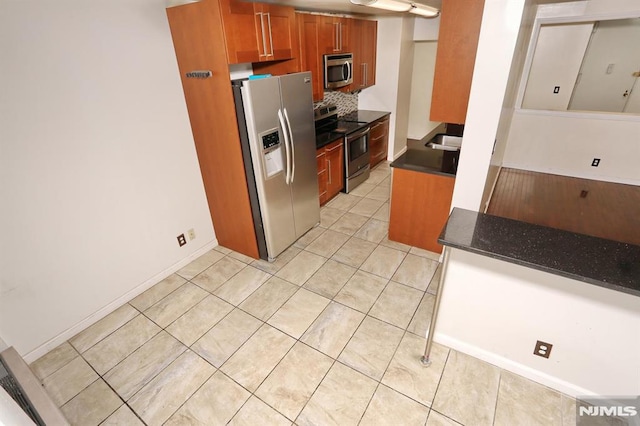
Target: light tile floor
[329, 334]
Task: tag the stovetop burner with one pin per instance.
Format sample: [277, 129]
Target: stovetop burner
[329, 127]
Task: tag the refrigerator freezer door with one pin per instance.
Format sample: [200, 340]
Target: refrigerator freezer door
[297, 101]
[266, 138]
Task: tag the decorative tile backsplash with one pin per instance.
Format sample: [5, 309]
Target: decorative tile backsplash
[346, 102]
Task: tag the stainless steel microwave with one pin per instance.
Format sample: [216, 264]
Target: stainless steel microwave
[338, 70]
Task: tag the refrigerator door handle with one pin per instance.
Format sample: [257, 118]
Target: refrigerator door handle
[287, 178]
[293, 150]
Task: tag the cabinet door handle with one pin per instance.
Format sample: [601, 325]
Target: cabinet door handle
[270, 37]
[264, 40]
[329, 165]
[366, 73]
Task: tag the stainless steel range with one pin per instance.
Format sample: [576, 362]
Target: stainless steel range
[356, 143]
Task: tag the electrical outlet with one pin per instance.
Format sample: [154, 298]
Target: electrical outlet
[595, 162]
[192, 234]
[542, 349]
[181, 240]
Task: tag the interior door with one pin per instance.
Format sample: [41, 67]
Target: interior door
[297, 100]
[606, 77]
[268, 155]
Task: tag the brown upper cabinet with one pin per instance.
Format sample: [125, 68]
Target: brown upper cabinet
[324, 35]
[364, 41]
[257, 32]
[456, 56]
[310, 54]
[335, 34]
[199, 43]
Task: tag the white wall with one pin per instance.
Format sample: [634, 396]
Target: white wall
[509, 102]
[556, 62]
[565, 143]
[98, 168]
[426, 29]
[424, 65]
[392, 90]
[497, 311]
[404, 88]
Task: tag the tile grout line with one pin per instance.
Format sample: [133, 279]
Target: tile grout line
[435, 394]
[495, 406]
[264, 322]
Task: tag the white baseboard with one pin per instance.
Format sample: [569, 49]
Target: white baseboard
[512, 366]
[106, 310]
[493, 188]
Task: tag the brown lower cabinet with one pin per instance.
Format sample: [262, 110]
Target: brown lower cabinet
[420, 204]
[330, 161]
[378, 141]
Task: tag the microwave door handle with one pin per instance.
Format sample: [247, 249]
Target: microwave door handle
[286, 144]
[348, 76]
[293, 150]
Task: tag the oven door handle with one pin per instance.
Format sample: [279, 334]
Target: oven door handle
[358, 135]
[293, 150]
[286, 145]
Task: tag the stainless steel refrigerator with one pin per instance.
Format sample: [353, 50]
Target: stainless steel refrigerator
[277, 134]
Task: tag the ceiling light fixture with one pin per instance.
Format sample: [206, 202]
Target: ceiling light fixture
[393, 5]
[400, 6]
[424, 11]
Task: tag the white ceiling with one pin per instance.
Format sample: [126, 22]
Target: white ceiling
[344, 6]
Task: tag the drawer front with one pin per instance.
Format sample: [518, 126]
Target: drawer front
[321, 160]
[333, 146]
[379, 129]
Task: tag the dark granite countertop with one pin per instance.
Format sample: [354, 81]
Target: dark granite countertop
[429, 160]
[364, 116]
[325, 139]
[610, 264]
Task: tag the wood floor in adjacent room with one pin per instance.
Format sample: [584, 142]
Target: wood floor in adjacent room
[591, 207]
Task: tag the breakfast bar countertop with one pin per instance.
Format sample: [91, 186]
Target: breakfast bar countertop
[605, 263]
